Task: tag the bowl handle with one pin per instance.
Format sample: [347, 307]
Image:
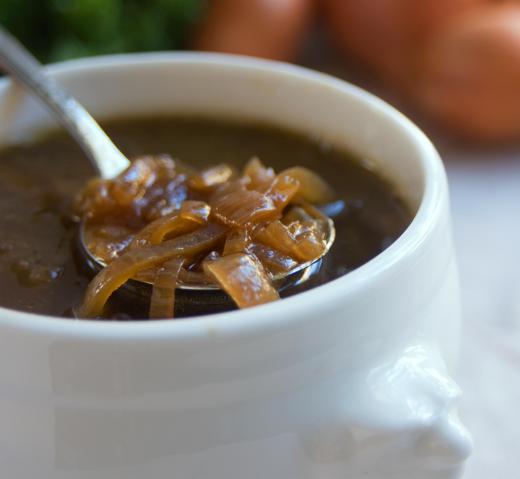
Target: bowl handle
[400, 419]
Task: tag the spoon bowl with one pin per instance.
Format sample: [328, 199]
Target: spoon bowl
[294, 277]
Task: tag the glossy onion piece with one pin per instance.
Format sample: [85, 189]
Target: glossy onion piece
[283, 189]
[210, 177]
[102, 198]
[106, 242]
[318, 219]
[238, 207]
[260, 177]
[162, 304]
[126, 266]
[95, 199]
[273, 260]
[132, 183]
[312, 187]
[309, 246]
[309, 236]
[296, 213]
[162, 198]
[243, 278]
[237, 241]
[277, 236]
[155, 232]
[189, 218]
[146, 275]
[303, 247]
[197, 211]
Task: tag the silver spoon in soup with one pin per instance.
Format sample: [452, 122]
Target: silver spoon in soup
[153, 226]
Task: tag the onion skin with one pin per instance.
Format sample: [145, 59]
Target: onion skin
[385, 34]
[468, 79]
[271, 29]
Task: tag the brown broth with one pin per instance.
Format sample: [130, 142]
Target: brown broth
[38, 270]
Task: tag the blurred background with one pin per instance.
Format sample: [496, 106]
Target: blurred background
[452, 63]
[453, 66]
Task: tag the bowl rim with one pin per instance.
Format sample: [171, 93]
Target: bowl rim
[271, 316]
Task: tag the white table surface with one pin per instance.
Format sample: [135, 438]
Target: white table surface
[485, 192]
[485, 199]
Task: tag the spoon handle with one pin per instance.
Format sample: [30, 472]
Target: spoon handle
[21, 65]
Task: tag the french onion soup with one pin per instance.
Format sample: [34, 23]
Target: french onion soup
[224, 204]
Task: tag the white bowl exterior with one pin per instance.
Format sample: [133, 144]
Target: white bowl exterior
[346, 380]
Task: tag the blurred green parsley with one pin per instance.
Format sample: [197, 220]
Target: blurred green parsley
[61, 29]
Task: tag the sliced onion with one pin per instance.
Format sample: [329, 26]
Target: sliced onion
[126, 266]
[197, 211]
[106, 242]
[163, 293]
[296, 213]
[243, 278]
[313, 188]
[271, 258]
[211, 177]
[132, 183]
[260, 177]
[277, 236]
[283, 189]
[146, 275]
[163, 198]
[190, 217]
[309, 246]
[95, 199]
[240, 207]
[302, 245]
[237, 241]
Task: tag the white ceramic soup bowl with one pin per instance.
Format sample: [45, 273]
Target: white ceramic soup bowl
[346, 380]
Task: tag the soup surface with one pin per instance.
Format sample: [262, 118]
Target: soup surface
[39, 270]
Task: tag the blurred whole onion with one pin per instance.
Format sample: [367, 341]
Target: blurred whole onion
[386, 34]
[264, 28]
[468, 77]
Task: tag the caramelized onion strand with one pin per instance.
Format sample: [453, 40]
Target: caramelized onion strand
[126, 266]
[162, 303]
[189, 218]
[243, 278]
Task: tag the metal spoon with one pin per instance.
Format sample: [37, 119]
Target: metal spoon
[104, 156]
[21, 65]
